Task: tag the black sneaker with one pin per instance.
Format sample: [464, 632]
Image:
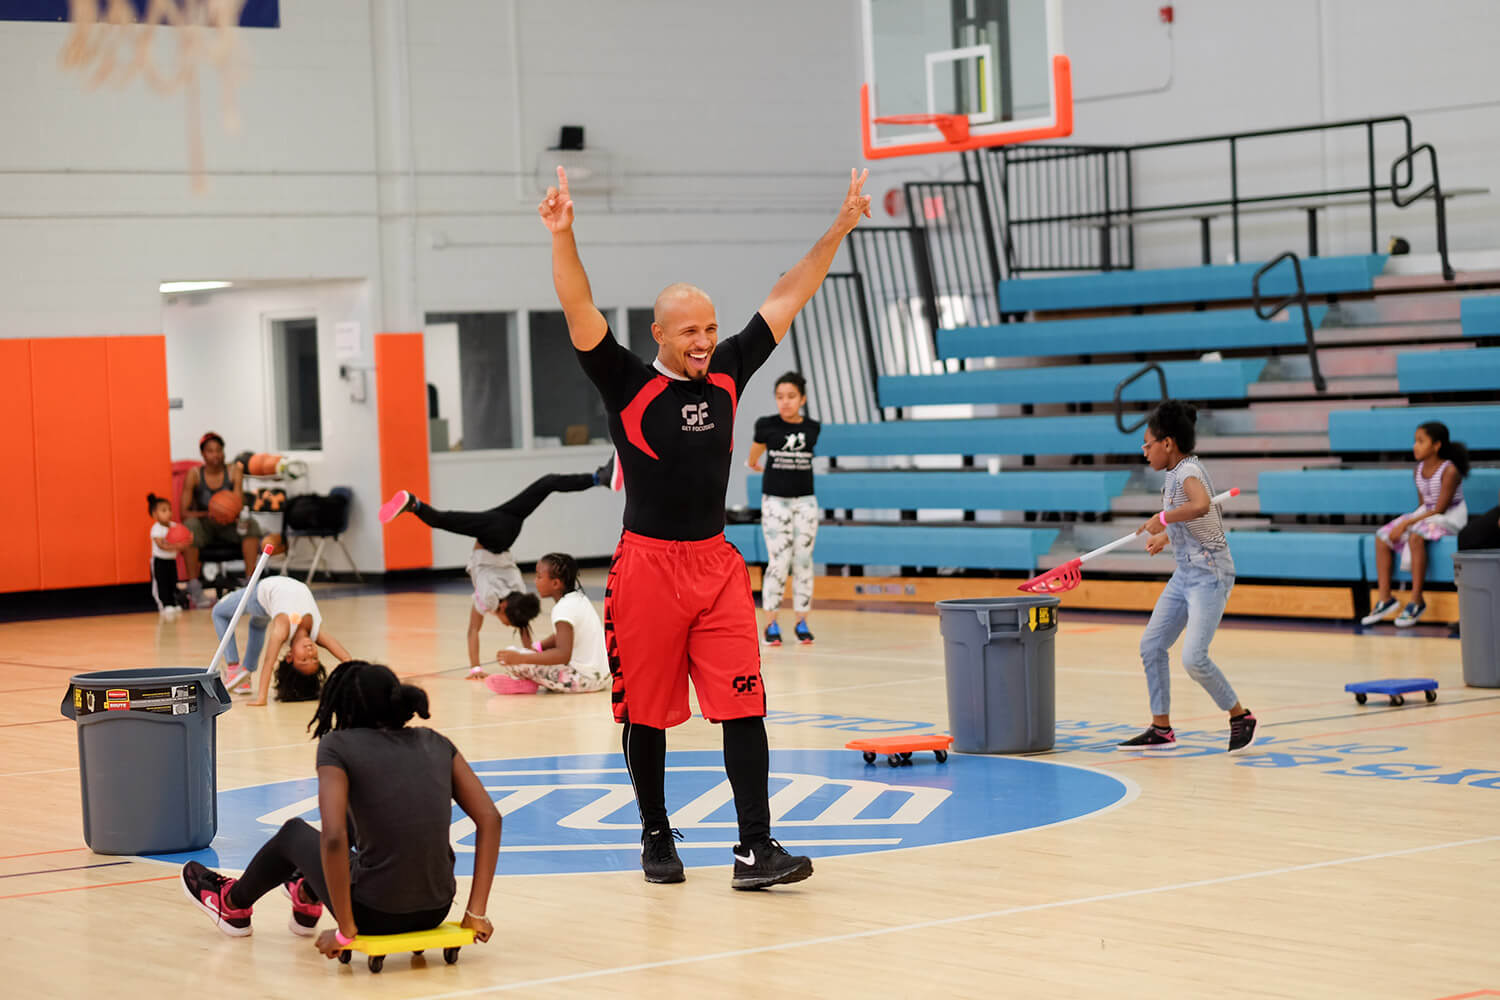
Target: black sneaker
[1152, 739]
[609, 475]
[1410, 614]
[804, 634]
[206, 888]
[659, 858]
[1241, 732]
[767, 863]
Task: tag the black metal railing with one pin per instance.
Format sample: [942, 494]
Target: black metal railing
[1072, 208]
[1267, 310]
[951, 218]
[901, 297]
[1161, 383]
[1435, 189]
[832, 348]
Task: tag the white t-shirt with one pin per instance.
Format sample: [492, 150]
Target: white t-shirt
[159, 534]
[495, 576]
[281, 595]
[588, 634]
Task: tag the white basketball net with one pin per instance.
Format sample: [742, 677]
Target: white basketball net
[115, 48]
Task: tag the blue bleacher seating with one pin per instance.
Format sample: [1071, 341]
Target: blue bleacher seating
[1082, 489]
[1214, 330]
[1480, 315]
[1449, 371]
[1359, 491]
[1071, 384]
[1297, 555]
[1439, 560]
[1391, 428]
[972, 547]
[1321, 276]
[1089, 434]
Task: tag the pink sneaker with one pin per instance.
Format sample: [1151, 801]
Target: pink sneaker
[502, 684]
[237, 679]
[400, 501]
[206, 888]
[305, 916]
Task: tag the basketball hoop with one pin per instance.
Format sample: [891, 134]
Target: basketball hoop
[118, 47]
[955, 128]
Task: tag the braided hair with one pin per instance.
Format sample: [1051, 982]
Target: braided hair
[361, 695]
[565, 568]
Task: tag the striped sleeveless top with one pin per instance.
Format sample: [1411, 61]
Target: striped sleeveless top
[1203, 534]
[1429, 488]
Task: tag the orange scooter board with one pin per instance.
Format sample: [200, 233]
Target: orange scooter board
[898, 749]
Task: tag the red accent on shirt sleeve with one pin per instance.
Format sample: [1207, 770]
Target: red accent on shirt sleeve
[726, 382]
[631, 416]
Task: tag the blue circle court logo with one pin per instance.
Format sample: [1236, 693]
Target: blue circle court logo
[576, 813]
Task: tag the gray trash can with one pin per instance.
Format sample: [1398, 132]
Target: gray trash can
[1477, 574]
[999, 656]
[146, 757]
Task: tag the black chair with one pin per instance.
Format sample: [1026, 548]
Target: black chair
[321, 518]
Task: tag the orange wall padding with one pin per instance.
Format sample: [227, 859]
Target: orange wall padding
[83, 428]
[74, 468]
[401, 392]
[140, 446]
[21, 565]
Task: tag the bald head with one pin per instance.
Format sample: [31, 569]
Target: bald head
[676, 294]
[686, 329]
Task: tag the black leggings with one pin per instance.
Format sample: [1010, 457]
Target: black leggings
[747, 762]
[498, 528]
[294, 851]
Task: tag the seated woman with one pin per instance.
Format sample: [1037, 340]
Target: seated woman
[571, 660]
[398, 783]
[285, 609]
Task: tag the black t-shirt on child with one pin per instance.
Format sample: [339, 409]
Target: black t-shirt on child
[675, 437]
[789, 455]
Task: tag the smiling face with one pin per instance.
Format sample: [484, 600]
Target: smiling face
[686, 329]
[304, 655]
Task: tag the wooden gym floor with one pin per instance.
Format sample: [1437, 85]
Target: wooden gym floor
[1352, 853]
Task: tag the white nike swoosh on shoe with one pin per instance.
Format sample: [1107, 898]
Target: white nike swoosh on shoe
[746, 860]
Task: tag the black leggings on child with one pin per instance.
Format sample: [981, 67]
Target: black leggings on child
[498, 528]
[294, 851]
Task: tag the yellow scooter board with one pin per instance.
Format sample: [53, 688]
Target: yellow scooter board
[448, 936]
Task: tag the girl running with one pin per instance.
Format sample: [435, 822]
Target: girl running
[398, 784]
[1194, 598]
[1442, 465]
[285, 609]
[571, 660]
[491, 568]
[788, 509]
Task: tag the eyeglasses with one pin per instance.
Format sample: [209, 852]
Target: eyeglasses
[1146, 445]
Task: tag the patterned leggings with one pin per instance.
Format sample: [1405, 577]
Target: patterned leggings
[790, 525]
[555, 677]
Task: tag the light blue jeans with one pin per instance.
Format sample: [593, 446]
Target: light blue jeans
[1191, 605]
[254, 614]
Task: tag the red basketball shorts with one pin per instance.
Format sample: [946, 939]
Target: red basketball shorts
[680, 610]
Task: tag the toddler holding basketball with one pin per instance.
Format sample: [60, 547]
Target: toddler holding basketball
[1194, 598]
[167, 539]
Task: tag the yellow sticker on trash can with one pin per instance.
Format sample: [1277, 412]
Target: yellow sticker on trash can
[1042, 618]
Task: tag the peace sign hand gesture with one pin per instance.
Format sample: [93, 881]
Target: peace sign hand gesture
[556, 209]
[856, 204]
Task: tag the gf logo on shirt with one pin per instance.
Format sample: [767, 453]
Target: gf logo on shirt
[695, 417]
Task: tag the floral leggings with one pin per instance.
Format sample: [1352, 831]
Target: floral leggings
[790, 525]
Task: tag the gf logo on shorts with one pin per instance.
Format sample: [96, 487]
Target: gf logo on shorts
[746, 683]
[695, 417]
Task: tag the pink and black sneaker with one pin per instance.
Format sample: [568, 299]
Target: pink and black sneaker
[400, 501]
[1154, 738]
[305, 916]
[207, 888]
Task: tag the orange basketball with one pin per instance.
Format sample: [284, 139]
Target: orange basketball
[178, 533]
[224, 506]
[262, 464]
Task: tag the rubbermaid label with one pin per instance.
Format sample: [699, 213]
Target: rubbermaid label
[171, 699]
